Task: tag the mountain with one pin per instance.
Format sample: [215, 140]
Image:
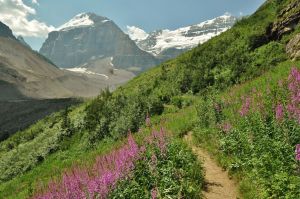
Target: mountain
[22, 41]
[235, 93]
[88, 38]
[168, 44]
[27, 74]
[5, 31]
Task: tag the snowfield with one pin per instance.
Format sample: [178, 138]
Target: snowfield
[85, 71]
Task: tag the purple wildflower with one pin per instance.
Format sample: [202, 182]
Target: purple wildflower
[226, 127]
[97, 181]
[245, 107]
[279, 112]
[294, 89]
[154, 193]
[298, 152]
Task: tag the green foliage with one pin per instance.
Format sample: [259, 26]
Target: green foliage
[236, 56]
[176, 175]
[253, 143]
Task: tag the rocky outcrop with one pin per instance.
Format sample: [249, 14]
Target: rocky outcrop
[293, 47]
[286, 22]
[5, 31]
[89, 37]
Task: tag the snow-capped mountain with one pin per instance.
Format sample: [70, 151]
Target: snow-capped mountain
[88, 38]
[80, 20]
[170, 43]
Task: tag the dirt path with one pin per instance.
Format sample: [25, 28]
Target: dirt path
[219, 186]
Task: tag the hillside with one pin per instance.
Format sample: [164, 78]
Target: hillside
[34, 77]
[32, 86]
[238, 94]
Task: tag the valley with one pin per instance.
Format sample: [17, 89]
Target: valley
[17, 115]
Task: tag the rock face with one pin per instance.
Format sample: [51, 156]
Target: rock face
[286, 22]
[89, 37]
[293, 47]
[5, 31]
[167, 44]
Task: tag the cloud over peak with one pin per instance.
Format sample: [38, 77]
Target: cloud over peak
[15, 14]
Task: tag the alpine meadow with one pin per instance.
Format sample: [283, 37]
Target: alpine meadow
[210, 110]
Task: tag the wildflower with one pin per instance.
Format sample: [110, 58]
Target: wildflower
[279, 112]
[226, 127]
[294, 89]
[298, 152]
[154, 193]
[102, 177]
[107, 170]
[245, 107]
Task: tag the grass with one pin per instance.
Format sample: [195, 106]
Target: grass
[212, 140]
[236, 57]
[177, 123]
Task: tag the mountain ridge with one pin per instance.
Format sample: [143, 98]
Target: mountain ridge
[87, 37]
[25, 73]
[173, 42]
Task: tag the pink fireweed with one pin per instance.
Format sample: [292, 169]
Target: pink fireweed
[279, 112]
[298, 152]
[226, 127]
[154, 193]
[294, 89]
[97, 181]
[245, 107]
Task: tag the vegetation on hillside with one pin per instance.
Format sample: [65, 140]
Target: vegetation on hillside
[252, 129]
[159, 168]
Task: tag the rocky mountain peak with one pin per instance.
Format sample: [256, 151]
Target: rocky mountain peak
[88, 37]
[168, 44]
[83, 20]
[5, 31]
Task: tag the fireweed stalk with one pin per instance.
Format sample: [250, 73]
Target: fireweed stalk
[298, 156]
[107, 171]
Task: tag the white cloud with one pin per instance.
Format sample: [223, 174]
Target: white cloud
[15, 14]
[35, 1]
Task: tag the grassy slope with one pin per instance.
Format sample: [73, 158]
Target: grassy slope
[233, 57]
[174, 119]
[272, 156]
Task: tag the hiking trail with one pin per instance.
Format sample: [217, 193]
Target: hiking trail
[218, 183]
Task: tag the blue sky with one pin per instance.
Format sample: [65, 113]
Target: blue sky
[146, 14]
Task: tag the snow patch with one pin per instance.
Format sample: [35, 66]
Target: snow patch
[182, 38]
[80, 20]
[136, 33]
[86, 71]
